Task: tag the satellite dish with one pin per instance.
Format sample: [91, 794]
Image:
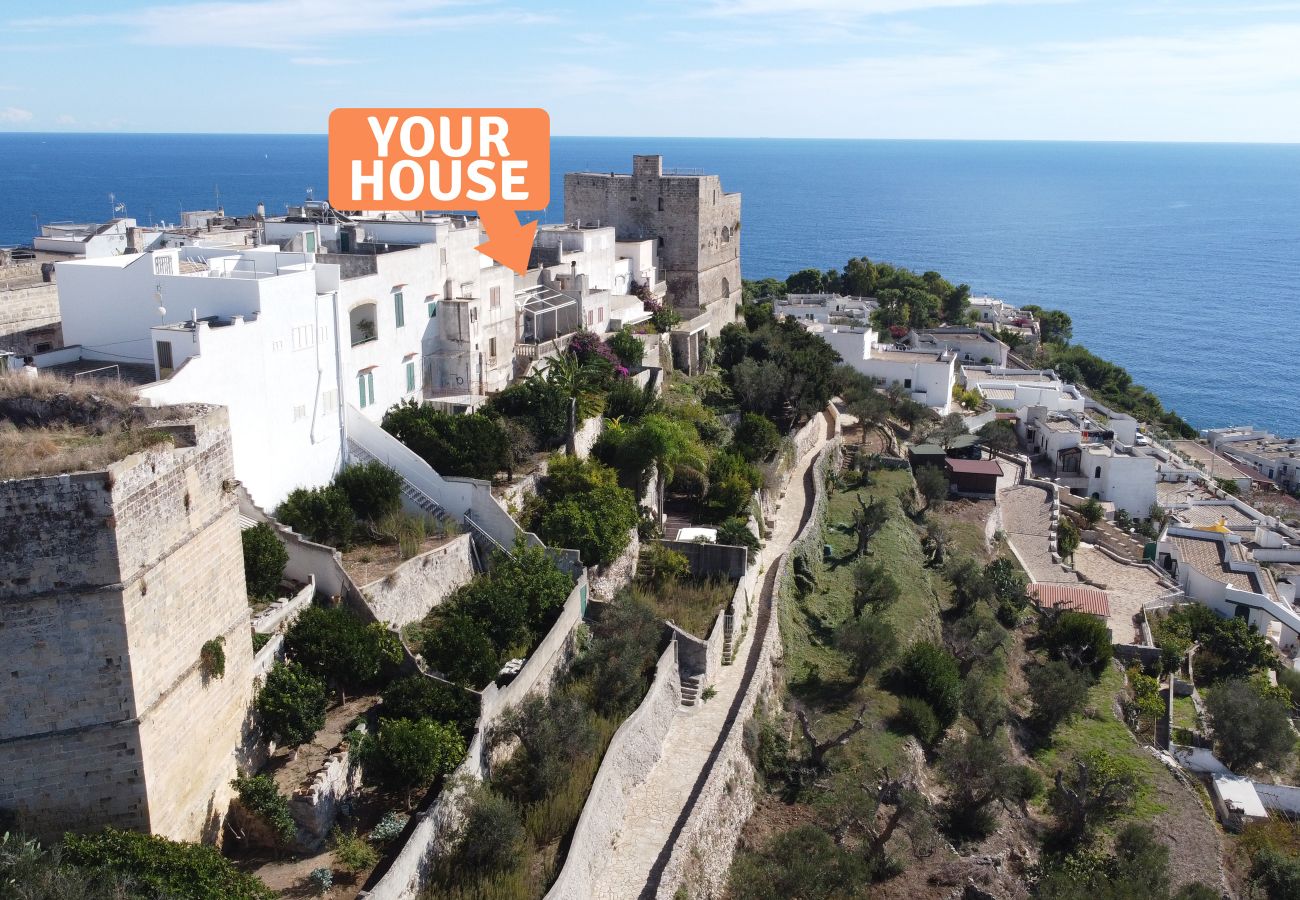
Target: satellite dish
[162, 311]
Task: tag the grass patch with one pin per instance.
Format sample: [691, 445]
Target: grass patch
[1185, 714]
[1097, 729]
[692, 605]
[817, 672]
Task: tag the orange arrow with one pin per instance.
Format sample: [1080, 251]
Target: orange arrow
[509, 243]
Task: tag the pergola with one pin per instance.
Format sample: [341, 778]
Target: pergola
[540, 301]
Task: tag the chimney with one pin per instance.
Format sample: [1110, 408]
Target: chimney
[135, 240]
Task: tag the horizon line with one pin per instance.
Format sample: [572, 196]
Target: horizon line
[692, 137]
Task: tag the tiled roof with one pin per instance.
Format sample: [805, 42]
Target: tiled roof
[1203, 555]
[1071, 596]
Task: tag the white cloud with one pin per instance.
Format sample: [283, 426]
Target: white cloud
[65, 119]
[284, 24]
[322, 61]
[12, 115]
[849, 8]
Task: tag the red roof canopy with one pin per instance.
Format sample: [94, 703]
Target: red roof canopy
[1077, 597]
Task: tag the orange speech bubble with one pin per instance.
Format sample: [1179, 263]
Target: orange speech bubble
[429, 159]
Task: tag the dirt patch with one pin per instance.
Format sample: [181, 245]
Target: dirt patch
[293, 769]
[371, 562]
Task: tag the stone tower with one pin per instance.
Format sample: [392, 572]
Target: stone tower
[695, 223]
[111, 581]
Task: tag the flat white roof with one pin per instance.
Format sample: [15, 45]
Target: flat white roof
[1240, 792]
[695, 534]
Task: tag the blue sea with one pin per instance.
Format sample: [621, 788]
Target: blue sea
[1180, 262]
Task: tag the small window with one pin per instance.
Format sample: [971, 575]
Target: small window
[661, 204]
[442, 255]
[410, 375]
[432, 306]
[366, 388]
[494, 298]
[1097, 472]
[309, 241]
[399, 309]
[492, 348]
[907, 382]
[164, 356]
[726, 235]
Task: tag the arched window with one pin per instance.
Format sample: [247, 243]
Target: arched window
[726, 288]
[726, 235]
[1097, 472]
[1096, 496]
[363, 323]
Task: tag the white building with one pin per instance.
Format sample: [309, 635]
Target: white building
[927, 377]
[1214, 566]
[827, 309]
[1272, 457]
[1091, 458]
[971, 345]
[1017, 389]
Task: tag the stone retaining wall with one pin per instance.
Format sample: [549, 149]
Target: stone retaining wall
[630, 758]
[606, 581]
[701, 858]
[421, 583]
[407, 874]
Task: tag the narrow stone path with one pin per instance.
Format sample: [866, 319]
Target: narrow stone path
[656, 809]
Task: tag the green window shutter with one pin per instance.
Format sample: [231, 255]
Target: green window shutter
[399, 308]
[433, 309]
[370, 385]
[361, 383]
[410, 377]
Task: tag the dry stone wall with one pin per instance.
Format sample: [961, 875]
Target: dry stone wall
[701, 858]
[630, 758]
[421, 583]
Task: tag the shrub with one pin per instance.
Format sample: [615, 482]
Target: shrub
[417, 697]
[264, 561]
[539, 404]
[735, 531]
[406, 754]
[930, 673]
[803, 862]
[457, 645]
[553, 732]
[659, 565]
[337, 646]
[291, 704]
[597, 523]
[259, 641]
[756, 437]
[1277, 874]
[1081, 640]
[322, 879]
[1058, 691]
[158, 867]
[321, 514]
[623, 655]
[471, 444]
[627, 347]
[732, 482]
[490, 835]
[373, 490]
[389, 828]
[870, 643]
[259, 795]
[352, 853]
[628, 402]
[916, 717]
[212, 658]
[1251, 725]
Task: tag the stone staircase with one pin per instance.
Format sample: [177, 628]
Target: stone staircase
[691, 690]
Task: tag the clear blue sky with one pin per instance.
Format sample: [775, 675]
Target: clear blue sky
[1218, 70]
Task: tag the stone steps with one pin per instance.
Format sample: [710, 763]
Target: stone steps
[691, 690]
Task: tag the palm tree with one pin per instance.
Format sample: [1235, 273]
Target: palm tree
[580, 382]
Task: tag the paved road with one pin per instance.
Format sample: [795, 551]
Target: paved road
[655, 807]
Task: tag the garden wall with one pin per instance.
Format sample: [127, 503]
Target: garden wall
[315, 806]
[408, 873]
[701, 857]
[421, 583]
[711, 559]
[629, 760]
[606, 581]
